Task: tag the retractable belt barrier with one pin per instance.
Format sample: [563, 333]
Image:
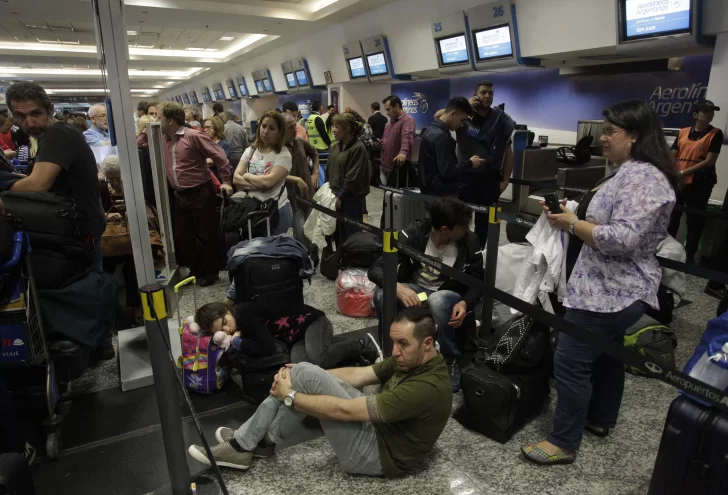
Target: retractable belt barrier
[674, 378]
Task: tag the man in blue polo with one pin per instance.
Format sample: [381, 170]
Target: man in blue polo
[98, 133]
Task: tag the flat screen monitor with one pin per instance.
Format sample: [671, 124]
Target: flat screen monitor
[377, 64]
[453, 50]
[493, 42]
[291, 80]
[243, 89]
[206, 95]
[266, 84]
[356, 67]
[301, 77]
[231, 90]
[641, 19]
[185, 98]
[193, 98]
[259, 86]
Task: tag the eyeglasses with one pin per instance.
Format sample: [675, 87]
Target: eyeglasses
[207, 127]
[610, 131]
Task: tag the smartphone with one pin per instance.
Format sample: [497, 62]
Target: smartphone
[553, 202]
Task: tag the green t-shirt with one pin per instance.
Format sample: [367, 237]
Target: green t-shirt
[415, 407]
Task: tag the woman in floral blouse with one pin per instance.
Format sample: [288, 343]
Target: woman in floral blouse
[615, 277]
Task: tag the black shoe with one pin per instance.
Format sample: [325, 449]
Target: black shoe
[208, 280]
[716, 293]
[371, 351]
[103, 354]
[314, 255]
[594, 429]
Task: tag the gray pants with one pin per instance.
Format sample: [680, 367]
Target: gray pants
[355, 443]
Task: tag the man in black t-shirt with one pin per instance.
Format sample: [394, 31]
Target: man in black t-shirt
[695, 151]
[64, 162]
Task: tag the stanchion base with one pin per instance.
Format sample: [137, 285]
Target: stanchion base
[206, 485]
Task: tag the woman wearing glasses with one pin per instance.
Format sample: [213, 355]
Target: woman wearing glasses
[214, 128]
[616, 229]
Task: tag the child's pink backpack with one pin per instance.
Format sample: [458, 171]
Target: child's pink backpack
[200, 361]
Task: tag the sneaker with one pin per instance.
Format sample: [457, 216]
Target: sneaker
[262, 450]
[371, 350]
[29, 453]
[225, 455]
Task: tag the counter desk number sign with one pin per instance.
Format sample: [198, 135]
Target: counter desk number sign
[327, 76]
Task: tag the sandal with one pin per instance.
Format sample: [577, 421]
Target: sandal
[543, 458]
[594, 429]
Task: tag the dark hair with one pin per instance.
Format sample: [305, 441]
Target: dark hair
[290, 106]
[449, 211]
[637, 117]
[330, 107]
[208, 314]
[483, 83]
[280, 122]
[422, 319]
[459, 104]
[173, 111]
[393, 101]
[330, 121]
[375, 106]
[142, 106]
[315, 106]
[152, 104]
[218, 108]
[28, 91]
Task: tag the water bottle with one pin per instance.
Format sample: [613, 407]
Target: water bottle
[712, 368]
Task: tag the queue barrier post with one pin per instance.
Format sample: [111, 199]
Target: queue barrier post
[491, 262]
[389, 288]
[165, 385]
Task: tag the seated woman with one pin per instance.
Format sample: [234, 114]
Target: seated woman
[348, 172]
[264, 167]
[304, 329]
[214, 128]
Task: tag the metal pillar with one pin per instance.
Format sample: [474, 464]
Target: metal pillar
[491, 262]
[389, 288]
[166, 387]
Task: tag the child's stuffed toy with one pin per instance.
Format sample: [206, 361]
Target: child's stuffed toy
[220, 338]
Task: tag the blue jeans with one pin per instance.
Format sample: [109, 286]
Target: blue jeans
[440, 304]
[589, 384]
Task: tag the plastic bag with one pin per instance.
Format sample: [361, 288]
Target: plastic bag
[355, 293]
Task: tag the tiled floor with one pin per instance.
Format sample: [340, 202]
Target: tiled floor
[464, 462]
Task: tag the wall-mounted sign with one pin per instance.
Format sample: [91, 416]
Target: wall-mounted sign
[327, 76]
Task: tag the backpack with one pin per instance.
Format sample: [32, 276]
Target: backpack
[655, 342]
[360, 250]
[517, 346]
[257, 372]
[200, 363]
[581, 152]
[274, 279]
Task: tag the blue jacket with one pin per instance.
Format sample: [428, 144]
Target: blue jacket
[96, 137]
[486, 137]
[438, 163]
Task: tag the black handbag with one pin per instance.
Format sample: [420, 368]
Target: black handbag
[519, 345]
[360, 250]
[330, 258]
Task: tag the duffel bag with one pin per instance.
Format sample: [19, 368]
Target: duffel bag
[360, 250]
[656, 342]
[498, 405]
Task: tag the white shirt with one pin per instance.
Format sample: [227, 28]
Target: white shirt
[428, 277]
[262, 164]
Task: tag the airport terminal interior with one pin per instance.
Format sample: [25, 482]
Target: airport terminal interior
[356, 102]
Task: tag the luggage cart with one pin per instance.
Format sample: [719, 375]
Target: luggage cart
[24, 345]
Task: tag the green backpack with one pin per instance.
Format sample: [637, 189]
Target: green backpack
[655, 342]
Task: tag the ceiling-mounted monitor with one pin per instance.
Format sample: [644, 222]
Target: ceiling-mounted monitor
[301, 78]
[267, 85]
[231, 88]
[356, 68]
[291, 80]
[185, 99]
[206, 95]
[493, 43]
[242, 86]
[259, 86]
[193, 97]
[377, 64]
[643, 19]
[453, 50]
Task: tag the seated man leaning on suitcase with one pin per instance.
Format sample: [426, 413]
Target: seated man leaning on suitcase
[445, 237]
[384, 434]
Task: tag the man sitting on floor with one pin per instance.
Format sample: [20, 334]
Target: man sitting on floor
[387, 433]
[445, 237]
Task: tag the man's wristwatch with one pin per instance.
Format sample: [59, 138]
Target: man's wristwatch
[288, 401]
[571, 227]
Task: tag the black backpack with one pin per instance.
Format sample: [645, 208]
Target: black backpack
[360, 250]
[272, 279]
[517, 346]
[581, 152]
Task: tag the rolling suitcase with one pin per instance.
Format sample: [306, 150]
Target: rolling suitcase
[406, 209]
[274, 280]
[693, 455]
[498, 405]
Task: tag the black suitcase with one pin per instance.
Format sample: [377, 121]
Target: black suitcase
[360, 250]
[15, 477]
[693, 455]
[498, 405]
[275, 280]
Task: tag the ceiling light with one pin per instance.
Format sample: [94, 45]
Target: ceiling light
[194, 49]
[210, 49]
[47, 41]
[70, 42]
[137, 45]
[132, 33]
[40, 27]
[92, 90]
[227, 38]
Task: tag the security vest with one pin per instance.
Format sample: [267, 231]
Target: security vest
[314, 137]
[690, 153]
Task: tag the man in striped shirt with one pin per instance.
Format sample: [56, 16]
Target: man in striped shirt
[399, 137]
